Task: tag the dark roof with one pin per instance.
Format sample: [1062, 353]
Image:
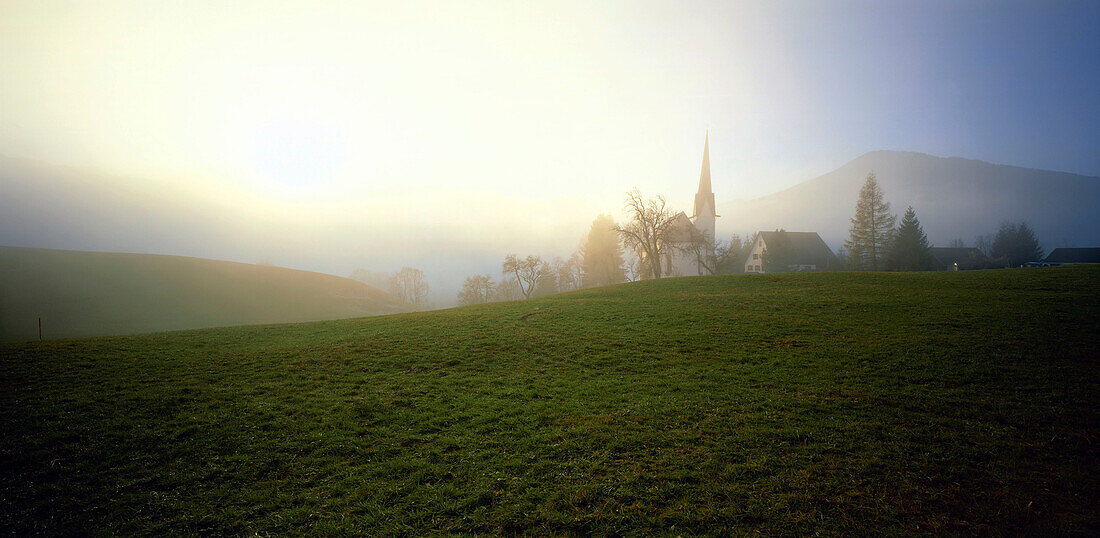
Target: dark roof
[1074, 255]
[807, 248]
[948, 256]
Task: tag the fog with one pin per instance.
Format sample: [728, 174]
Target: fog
[443, 137]
[446, 234]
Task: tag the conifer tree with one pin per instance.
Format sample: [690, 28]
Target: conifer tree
[872, 227]
[602, 254]
[909, 251]
[1015, 244]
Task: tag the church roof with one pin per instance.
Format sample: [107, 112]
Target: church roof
[705, 197]
[682, 229]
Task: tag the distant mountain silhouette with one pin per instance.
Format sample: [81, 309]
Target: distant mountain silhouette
[80, 293]
[953, 198]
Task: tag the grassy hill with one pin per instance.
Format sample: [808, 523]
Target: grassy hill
[836, 402]
[100, 293]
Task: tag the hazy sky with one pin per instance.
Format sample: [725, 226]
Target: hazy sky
[466, 114]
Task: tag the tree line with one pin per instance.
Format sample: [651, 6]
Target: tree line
[598, 262]
[610, 253]
[408, 284]
[877, 242]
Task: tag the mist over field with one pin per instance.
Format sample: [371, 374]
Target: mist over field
[443, 137]
[452, 238]
[572, 268]
[447, 236]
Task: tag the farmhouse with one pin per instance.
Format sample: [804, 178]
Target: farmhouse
[958, 258]
[801, 251]
[1073, 256]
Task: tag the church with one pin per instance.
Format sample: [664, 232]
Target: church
[681, 262]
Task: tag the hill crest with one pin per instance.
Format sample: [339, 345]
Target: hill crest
[81, 293]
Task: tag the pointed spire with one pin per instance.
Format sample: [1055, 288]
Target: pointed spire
[704, 173]
[705, 197]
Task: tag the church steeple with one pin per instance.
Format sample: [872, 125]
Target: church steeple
[704, 199]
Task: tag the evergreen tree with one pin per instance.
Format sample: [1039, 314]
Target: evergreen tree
[872, 227]
[1015, 244]
[909, 251]
[737, 251]
[602, 254]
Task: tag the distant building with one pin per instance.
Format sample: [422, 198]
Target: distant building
[701, 224]
[958, 258]
[1073, 256]
[807, 252]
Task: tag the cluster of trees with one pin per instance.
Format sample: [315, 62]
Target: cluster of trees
[652, 234]
[649, 232]
[408, 284]
[599, 261]
[609, 254]
[877, 242]
[1014, 245]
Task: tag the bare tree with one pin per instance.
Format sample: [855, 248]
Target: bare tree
[476, 289]
[508, 290]
[984, 243]
[569, 272]
[649, 232]
[713, 256]
[378, 280]
[547, 283]
[631, 266]
[409, 285]
[526, 271]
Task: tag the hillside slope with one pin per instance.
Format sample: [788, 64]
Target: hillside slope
[953, 198]
[97, 293]
[795, 404]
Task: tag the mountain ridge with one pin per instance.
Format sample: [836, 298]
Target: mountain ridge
[955, 197]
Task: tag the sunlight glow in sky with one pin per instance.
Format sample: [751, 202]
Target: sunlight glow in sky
[509, 97]
[462, 115]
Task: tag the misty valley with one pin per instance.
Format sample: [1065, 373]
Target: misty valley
[595, 268]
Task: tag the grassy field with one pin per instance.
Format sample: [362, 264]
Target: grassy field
[960, 402]
[102, 293]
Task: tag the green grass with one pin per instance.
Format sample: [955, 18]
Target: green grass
[836, 403]
[102, 293]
